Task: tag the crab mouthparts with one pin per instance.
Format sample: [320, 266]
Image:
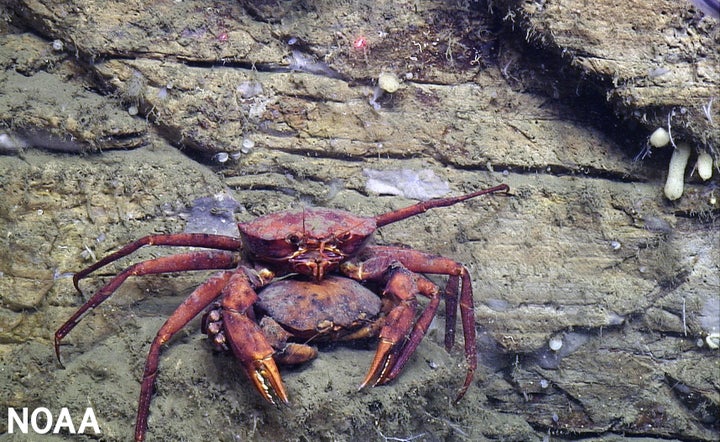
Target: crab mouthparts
[315, 263]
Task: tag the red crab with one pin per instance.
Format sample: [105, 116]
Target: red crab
[323, 253]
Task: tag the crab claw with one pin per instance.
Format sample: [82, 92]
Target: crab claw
[255, 355]
[383, 361]
[265, 376]
[392, 339]
[392, 351]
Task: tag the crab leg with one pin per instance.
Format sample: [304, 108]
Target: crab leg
[174, 239]
[389, 362]
[246, 339]
[430, 290]
[452, 288]
[416, 209]
[204, 260]
[421, 262]
[401, 288]
[200, 298]
[375, 260]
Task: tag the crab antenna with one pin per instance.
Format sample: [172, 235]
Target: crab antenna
[303, 223]
[407, 212]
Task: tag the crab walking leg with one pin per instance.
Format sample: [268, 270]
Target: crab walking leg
[401, 289]
[422, 262]
[467, 316]
[204, 260]
[209, 241]
[246, 339]
[452, 288]
[376, 259]
[430, 290]
[200, 298]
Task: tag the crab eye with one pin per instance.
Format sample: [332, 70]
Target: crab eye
[344, 236]
[294, 239]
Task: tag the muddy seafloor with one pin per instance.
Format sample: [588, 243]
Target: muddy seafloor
[586, 249]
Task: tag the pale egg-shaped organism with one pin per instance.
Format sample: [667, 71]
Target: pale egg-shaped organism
[704, 165]
[389, 82]
[659, 138]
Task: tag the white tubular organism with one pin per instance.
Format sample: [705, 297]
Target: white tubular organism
[676, 172]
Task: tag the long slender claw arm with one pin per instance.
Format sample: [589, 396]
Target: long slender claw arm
[430, 290]
[394, 357]
[206, 240]
[452, 288]
[384, 358]
[203, 260]
[198, 300]
[407, 212]
[467, 316]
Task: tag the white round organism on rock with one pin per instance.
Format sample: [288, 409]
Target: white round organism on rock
[704, 165]
[676, 172]
[247, 145]
[709, 319]
[389, 82]
[713, 340]
[659, 138]
[221, 157]
[555, 343]
[58, 45]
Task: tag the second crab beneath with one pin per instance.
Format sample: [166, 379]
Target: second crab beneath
[294, 313]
